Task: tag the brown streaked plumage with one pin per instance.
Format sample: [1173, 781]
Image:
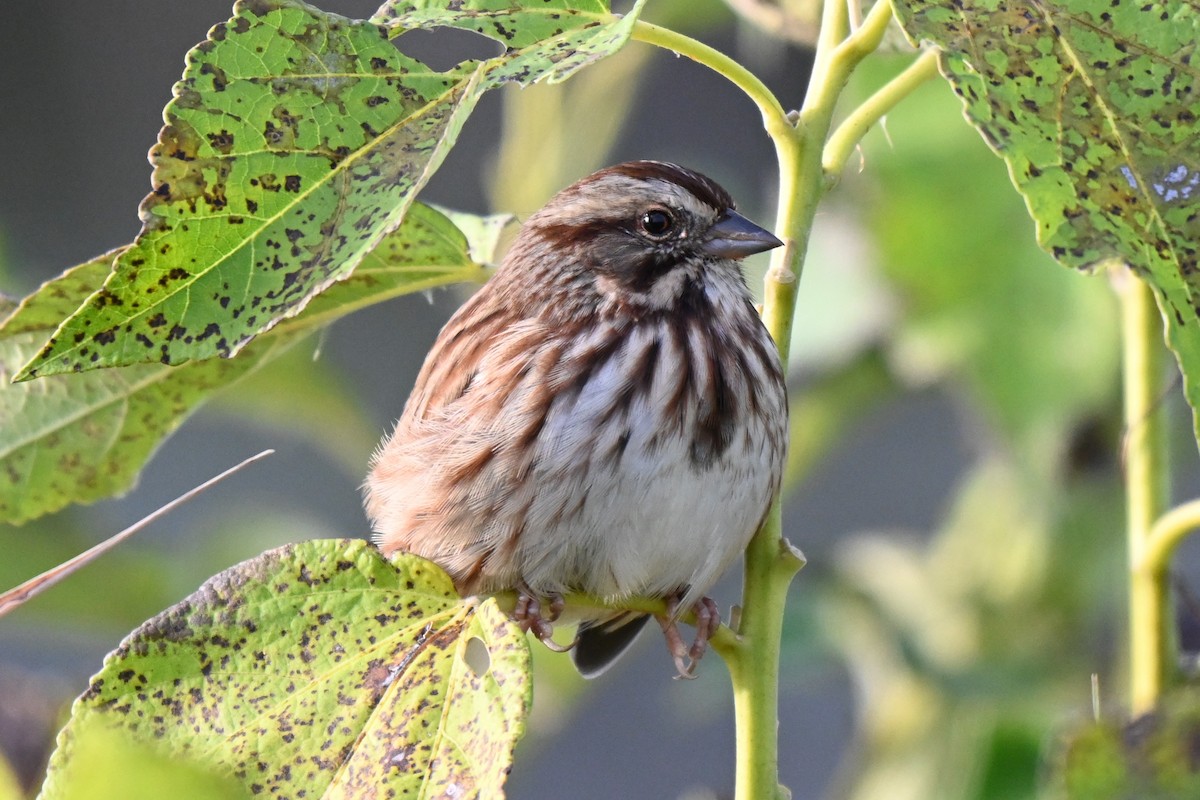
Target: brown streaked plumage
[607, 415]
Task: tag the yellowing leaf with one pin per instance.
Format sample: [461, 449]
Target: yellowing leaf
[321, 667]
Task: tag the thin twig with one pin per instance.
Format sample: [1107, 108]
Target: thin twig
[36, 585]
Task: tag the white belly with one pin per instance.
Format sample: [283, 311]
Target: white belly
[650, 522]
[637, 481]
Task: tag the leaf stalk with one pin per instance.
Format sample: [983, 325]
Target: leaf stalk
[844, 140]
[739, 76]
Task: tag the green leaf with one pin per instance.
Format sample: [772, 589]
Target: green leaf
[425, 252]
[57, 298]
[1094, 768]
[484, 234]
[1094, 108]
[79, 438]
[109, 765]
[513, 23]
[321, 669]
[296, 140]
[544, 40]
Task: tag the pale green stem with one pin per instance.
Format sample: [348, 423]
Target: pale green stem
[1151, 642]
[771, 562]
[844, 140]
[866, 37]
[835, 27]
[837, 57]
[803, 180]
[753, 656]
[801, 185]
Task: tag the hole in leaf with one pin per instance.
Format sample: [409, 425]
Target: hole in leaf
[444, 48]
[477, 657]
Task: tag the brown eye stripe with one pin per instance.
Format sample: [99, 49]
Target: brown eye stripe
[564, 235]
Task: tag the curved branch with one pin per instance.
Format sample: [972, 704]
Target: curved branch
[739, 76]
[1167, 533]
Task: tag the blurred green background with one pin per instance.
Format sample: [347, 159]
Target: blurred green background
[954, 476]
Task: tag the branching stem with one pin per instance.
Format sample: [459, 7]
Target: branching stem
[771, 562]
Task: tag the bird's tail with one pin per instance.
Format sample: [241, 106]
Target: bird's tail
[601, 642]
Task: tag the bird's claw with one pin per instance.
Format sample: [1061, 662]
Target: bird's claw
[708, 619]
[528, 615]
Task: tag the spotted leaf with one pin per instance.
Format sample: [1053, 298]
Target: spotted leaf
[544, 40]
[79, 438]
[296, 140]
[513, 23]
[1094, 107]
[323, 670]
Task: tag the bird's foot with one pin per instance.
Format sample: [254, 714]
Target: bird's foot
[528, 615]
[708, 619]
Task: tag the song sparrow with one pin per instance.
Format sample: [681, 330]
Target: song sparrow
[607, 415]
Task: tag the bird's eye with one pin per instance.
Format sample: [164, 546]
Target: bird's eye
[656, 223]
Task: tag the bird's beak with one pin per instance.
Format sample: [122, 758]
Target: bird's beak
[734, 236]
